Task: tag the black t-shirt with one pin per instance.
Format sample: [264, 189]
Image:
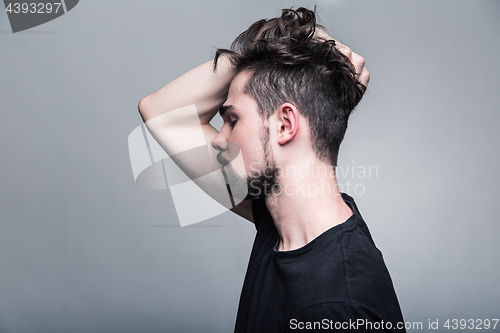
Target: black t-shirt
[337, 281]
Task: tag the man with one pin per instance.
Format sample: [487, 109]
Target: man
[285, 90]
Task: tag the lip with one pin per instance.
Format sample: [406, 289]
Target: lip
[222, 160]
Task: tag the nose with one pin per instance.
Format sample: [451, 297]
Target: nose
[220, 142]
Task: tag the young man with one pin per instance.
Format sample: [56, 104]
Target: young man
[285, 91]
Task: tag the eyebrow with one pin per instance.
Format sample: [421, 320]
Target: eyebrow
[225, 108]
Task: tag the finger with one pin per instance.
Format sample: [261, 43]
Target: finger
[344, 49]
[321, 34]
[364, 77]
[358, 62]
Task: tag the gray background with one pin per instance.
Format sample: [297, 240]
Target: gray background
[83, 249]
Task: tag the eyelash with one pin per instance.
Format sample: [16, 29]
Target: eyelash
[232, 123]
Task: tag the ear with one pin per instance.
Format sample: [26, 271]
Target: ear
[288, 122]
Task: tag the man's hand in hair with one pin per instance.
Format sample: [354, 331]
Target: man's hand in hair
[357, 60]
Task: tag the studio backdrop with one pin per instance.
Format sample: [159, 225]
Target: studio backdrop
[83, 248]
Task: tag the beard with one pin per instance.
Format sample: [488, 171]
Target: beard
[263, 184]
[258, 185]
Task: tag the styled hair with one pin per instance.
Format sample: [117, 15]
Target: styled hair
[288, 63]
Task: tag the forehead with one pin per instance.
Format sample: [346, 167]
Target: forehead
[239, 81]
[237, 87]
[237, 98]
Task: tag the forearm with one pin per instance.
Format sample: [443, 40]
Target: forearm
[173, 116]
[201, 86]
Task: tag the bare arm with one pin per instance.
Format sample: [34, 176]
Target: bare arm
[201, 86]
[178, 116]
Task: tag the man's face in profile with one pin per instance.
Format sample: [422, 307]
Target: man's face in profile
[244, 131]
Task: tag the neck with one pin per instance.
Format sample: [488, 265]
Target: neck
[308, 205]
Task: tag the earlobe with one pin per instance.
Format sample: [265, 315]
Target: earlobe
[288, 117]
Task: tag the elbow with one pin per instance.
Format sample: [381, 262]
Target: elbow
[145, 107]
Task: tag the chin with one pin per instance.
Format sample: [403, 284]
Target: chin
[237, 183]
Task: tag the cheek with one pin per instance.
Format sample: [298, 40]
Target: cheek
[254, 157]
[246, 138]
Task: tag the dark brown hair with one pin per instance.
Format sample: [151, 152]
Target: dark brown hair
[288, 63]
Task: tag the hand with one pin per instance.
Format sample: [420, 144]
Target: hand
[357, 60]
